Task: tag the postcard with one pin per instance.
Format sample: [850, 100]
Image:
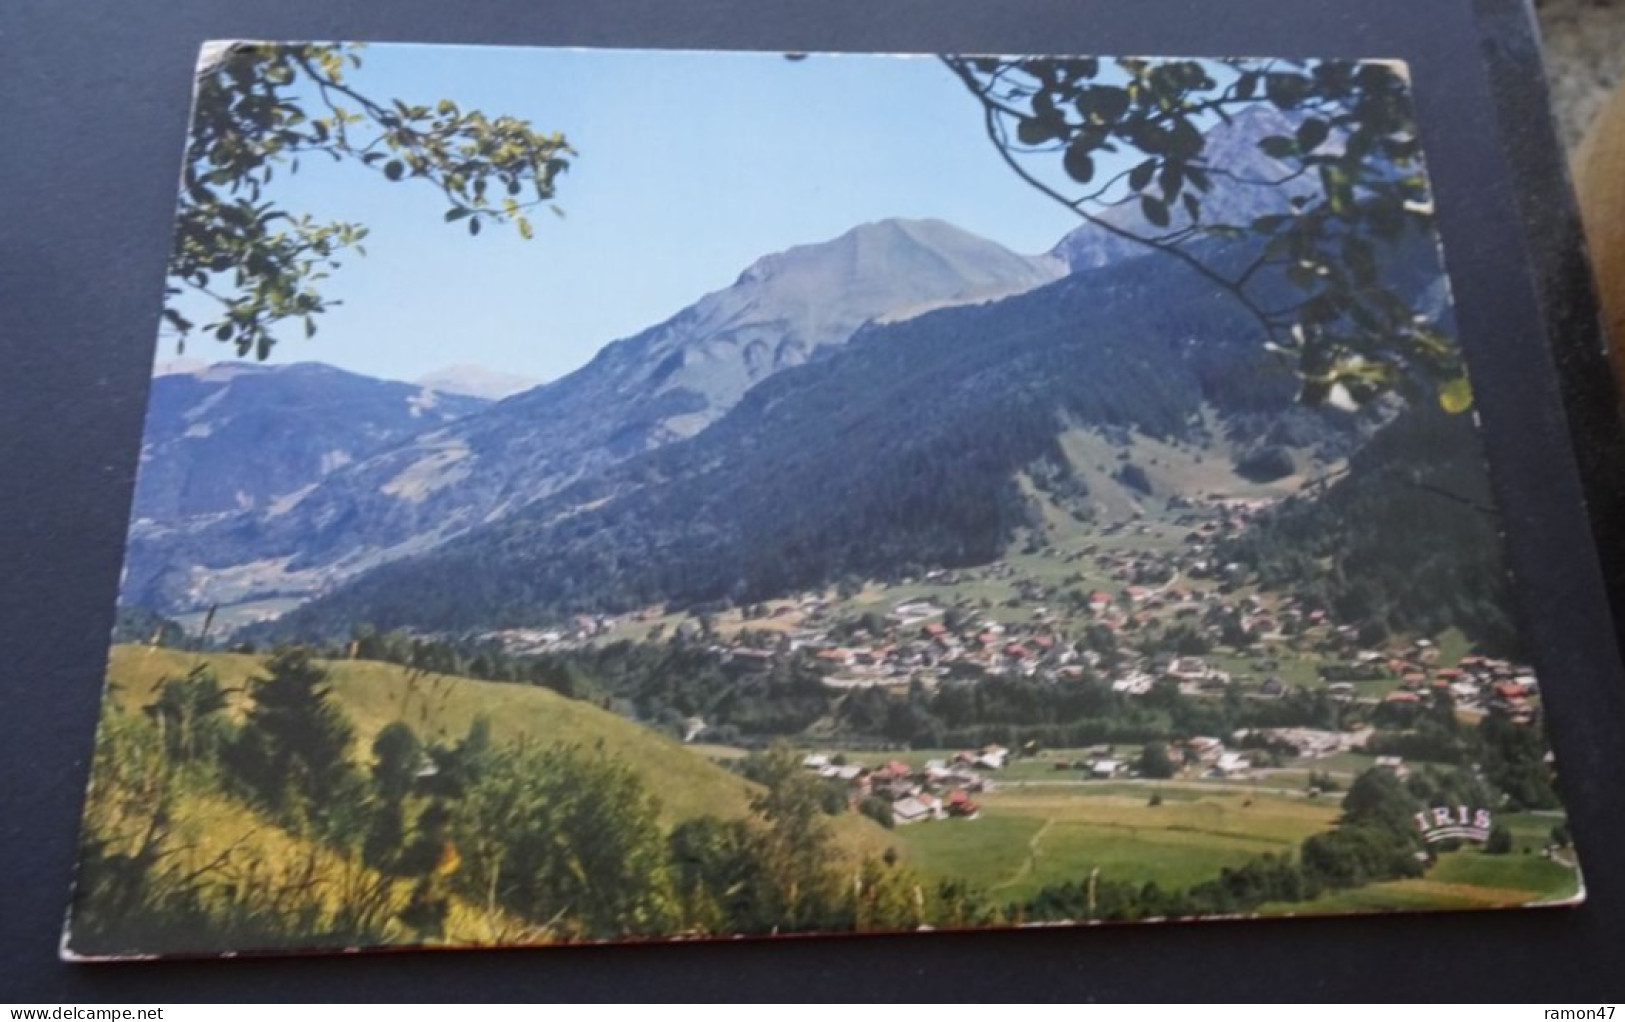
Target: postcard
[595, 495]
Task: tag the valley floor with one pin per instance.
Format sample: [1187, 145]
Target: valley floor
[1137, 614]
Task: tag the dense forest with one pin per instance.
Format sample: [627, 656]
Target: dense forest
[1409, 541]
[896, 453]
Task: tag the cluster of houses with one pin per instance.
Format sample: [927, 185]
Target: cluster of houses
[1174, 582]
[926, 651]
[1210, 757]
[580, 629]
[1303, 742]
[1475, 683]
[939, 790]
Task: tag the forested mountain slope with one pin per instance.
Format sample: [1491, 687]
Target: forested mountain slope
[664, 384]
[898, 453]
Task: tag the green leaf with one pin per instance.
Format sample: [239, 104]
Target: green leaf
[1171, 180]
[1140, 176]
[1155, 210]
[457, 213]
[1286, 90]
[1278, 147]
[1079, 165]
[394, 169]
[1311, 133]
[1339, 192]
[1184, 140]
[525, 230]
[1032, 131]
[1456, 396]
[1104, 104]
[474, 226]
[1044, 106]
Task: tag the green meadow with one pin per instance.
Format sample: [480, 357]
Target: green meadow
[1464, 879]
[1026, 839]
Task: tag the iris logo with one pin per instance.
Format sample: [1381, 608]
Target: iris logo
[1443, 823]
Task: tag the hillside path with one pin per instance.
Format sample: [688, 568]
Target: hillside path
[1027, 864]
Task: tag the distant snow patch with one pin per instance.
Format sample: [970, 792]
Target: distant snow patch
[180, 367]
[422, 401]
[476, 381]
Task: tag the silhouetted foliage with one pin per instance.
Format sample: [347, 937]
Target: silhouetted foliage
[292, 752]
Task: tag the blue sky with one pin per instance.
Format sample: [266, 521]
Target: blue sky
[691, 166]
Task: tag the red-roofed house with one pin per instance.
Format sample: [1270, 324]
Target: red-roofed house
[896, 770]
[960, 804]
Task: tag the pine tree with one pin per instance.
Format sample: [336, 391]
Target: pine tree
[293, 751]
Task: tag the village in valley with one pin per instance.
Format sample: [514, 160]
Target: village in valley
[1143, 706]
[1117, 719]
[1141, 604]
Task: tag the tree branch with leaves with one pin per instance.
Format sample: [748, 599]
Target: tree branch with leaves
[262, 108]
[1098, 136]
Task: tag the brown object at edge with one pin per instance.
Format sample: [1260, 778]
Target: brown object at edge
[1599, 178]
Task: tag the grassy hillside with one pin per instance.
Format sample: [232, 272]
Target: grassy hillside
[176, 861]
[442, 707]
[229, 845]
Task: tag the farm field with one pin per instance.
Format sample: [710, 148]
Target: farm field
[1465, 879]
[1530, 831]
[1026, 839]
